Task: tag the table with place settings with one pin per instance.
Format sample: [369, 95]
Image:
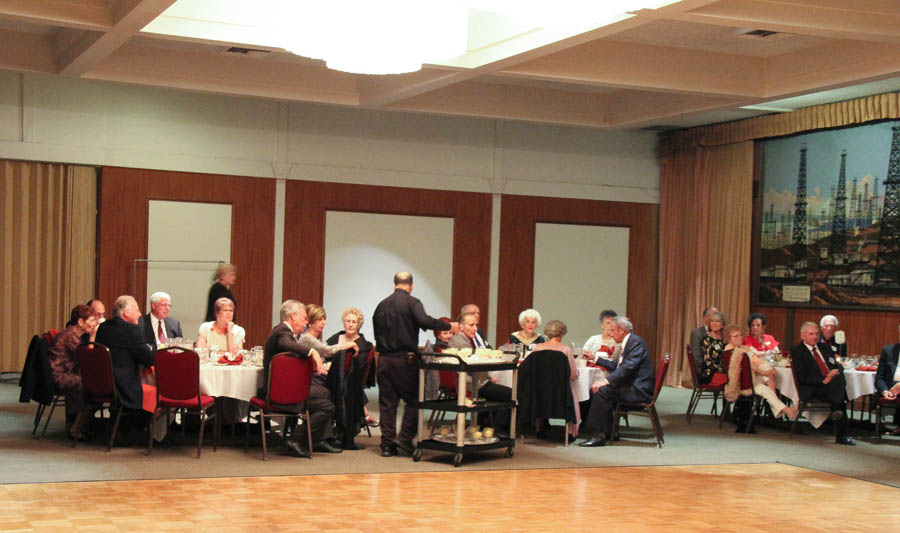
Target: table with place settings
[859, 383]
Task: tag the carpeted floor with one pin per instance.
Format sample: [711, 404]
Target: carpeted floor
[26, 459]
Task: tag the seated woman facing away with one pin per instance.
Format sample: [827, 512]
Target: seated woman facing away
[713, 369]
[529, 321]
[555, 330]
[222, 333]
[64, 366]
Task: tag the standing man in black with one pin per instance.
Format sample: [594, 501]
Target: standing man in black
[397, 321]
[821, 377]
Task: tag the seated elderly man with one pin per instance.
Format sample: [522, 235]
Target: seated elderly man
[283, 338]
[158, 326]
[487, 387]
[821, 377]
[829, 325]
[887, 379]
[630, 379]
[480, 341]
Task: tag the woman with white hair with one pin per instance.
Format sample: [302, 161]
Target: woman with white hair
[530, 322]
[829, 325]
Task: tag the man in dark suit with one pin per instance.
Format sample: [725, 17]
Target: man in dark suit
[887, 379]
[283, 338]
[128, 348]
[157, 326]
[697, 337]
[630, 379]
[821, 377]
[479, 339]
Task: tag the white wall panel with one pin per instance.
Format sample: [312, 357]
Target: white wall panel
[363, 252]
[187, 231]
[10, 125]
[578, 272]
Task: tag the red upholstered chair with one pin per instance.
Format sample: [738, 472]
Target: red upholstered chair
[95, 364]
[646, 409]
[701, 392]
[178, 389]
[746, 383]
[288, 387]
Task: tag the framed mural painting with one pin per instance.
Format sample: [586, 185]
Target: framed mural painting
[830, 221]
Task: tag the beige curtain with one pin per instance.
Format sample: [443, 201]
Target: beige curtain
[706, 198]
[47, 250]
[846, 113]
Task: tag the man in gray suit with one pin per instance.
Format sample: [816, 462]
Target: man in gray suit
[697, 337]
[157, 326]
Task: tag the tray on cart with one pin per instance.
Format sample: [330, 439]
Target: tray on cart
[468, 441]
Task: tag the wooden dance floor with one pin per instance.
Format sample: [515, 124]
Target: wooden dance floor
[667, 498]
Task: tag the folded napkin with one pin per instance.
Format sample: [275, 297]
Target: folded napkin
[608, 349]
[864, 368]
[592, 365]
[225, 361]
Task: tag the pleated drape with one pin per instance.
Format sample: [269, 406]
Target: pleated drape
[47, 249]
[706, 198]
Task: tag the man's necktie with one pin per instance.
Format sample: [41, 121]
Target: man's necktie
[820, 361]
[162, 333]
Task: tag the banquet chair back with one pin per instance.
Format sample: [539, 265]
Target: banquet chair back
[36, 380]
[805, 406]
[286, 393]
[746, 382]
[544, 389]
[700, 392]
[647, 409]
[95, 364]
[178, 389]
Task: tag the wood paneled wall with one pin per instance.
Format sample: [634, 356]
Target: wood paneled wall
[306, 203]
[125, 196]
[520, 214]
[867, 331]
[47, 250]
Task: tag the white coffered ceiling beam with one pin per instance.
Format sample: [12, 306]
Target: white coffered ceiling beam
[512, 102]
[641, 66]
[82, 15]
[847, 19]
[26, 52]
[226, 74]
[635, 109]
[77, 51]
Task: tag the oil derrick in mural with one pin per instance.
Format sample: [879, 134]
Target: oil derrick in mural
[798, 248]
[887, 271]
[837, 245]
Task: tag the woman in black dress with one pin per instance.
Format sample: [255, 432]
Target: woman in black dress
[224, 278]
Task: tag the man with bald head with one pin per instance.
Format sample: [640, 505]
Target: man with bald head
[128, 348]
[397, 321]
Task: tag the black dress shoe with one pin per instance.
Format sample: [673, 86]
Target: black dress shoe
[836, 415]
[388, 450]
[846, 441]
[295, 449]
[593, 442]
[352, 446]
[323, 446]
[406, 446]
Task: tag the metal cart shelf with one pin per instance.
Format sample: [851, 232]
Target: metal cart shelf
[458, 405]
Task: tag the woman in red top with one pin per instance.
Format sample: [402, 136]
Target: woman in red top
[758, 338]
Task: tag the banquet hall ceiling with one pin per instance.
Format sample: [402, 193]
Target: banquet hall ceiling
[685, 64]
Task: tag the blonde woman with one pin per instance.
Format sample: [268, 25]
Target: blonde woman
[222, 333]
[223, 279]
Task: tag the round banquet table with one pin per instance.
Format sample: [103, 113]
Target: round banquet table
[859, 383]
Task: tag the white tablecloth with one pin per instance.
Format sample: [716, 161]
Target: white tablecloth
[586, 376]
[858, 384]
[230, 381]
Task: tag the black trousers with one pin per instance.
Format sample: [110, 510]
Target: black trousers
[321, 413]
[496, 393]
[603, 402]
[835, 393]
[397, 381]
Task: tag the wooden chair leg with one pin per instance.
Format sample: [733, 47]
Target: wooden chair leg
[753, 409]
[262, 431]
[726, 410]
[53, 403]
[651, 411]
[153, 418]
[37, 418]
[878, 421]
[114, 429]
[203, 417]
[308, 432]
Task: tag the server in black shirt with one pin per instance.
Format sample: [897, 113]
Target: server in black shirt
[397, 321]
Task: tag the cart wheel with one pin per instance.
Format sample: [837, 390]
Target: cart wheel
[457, 459]
[417, 455]
[509, 452]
